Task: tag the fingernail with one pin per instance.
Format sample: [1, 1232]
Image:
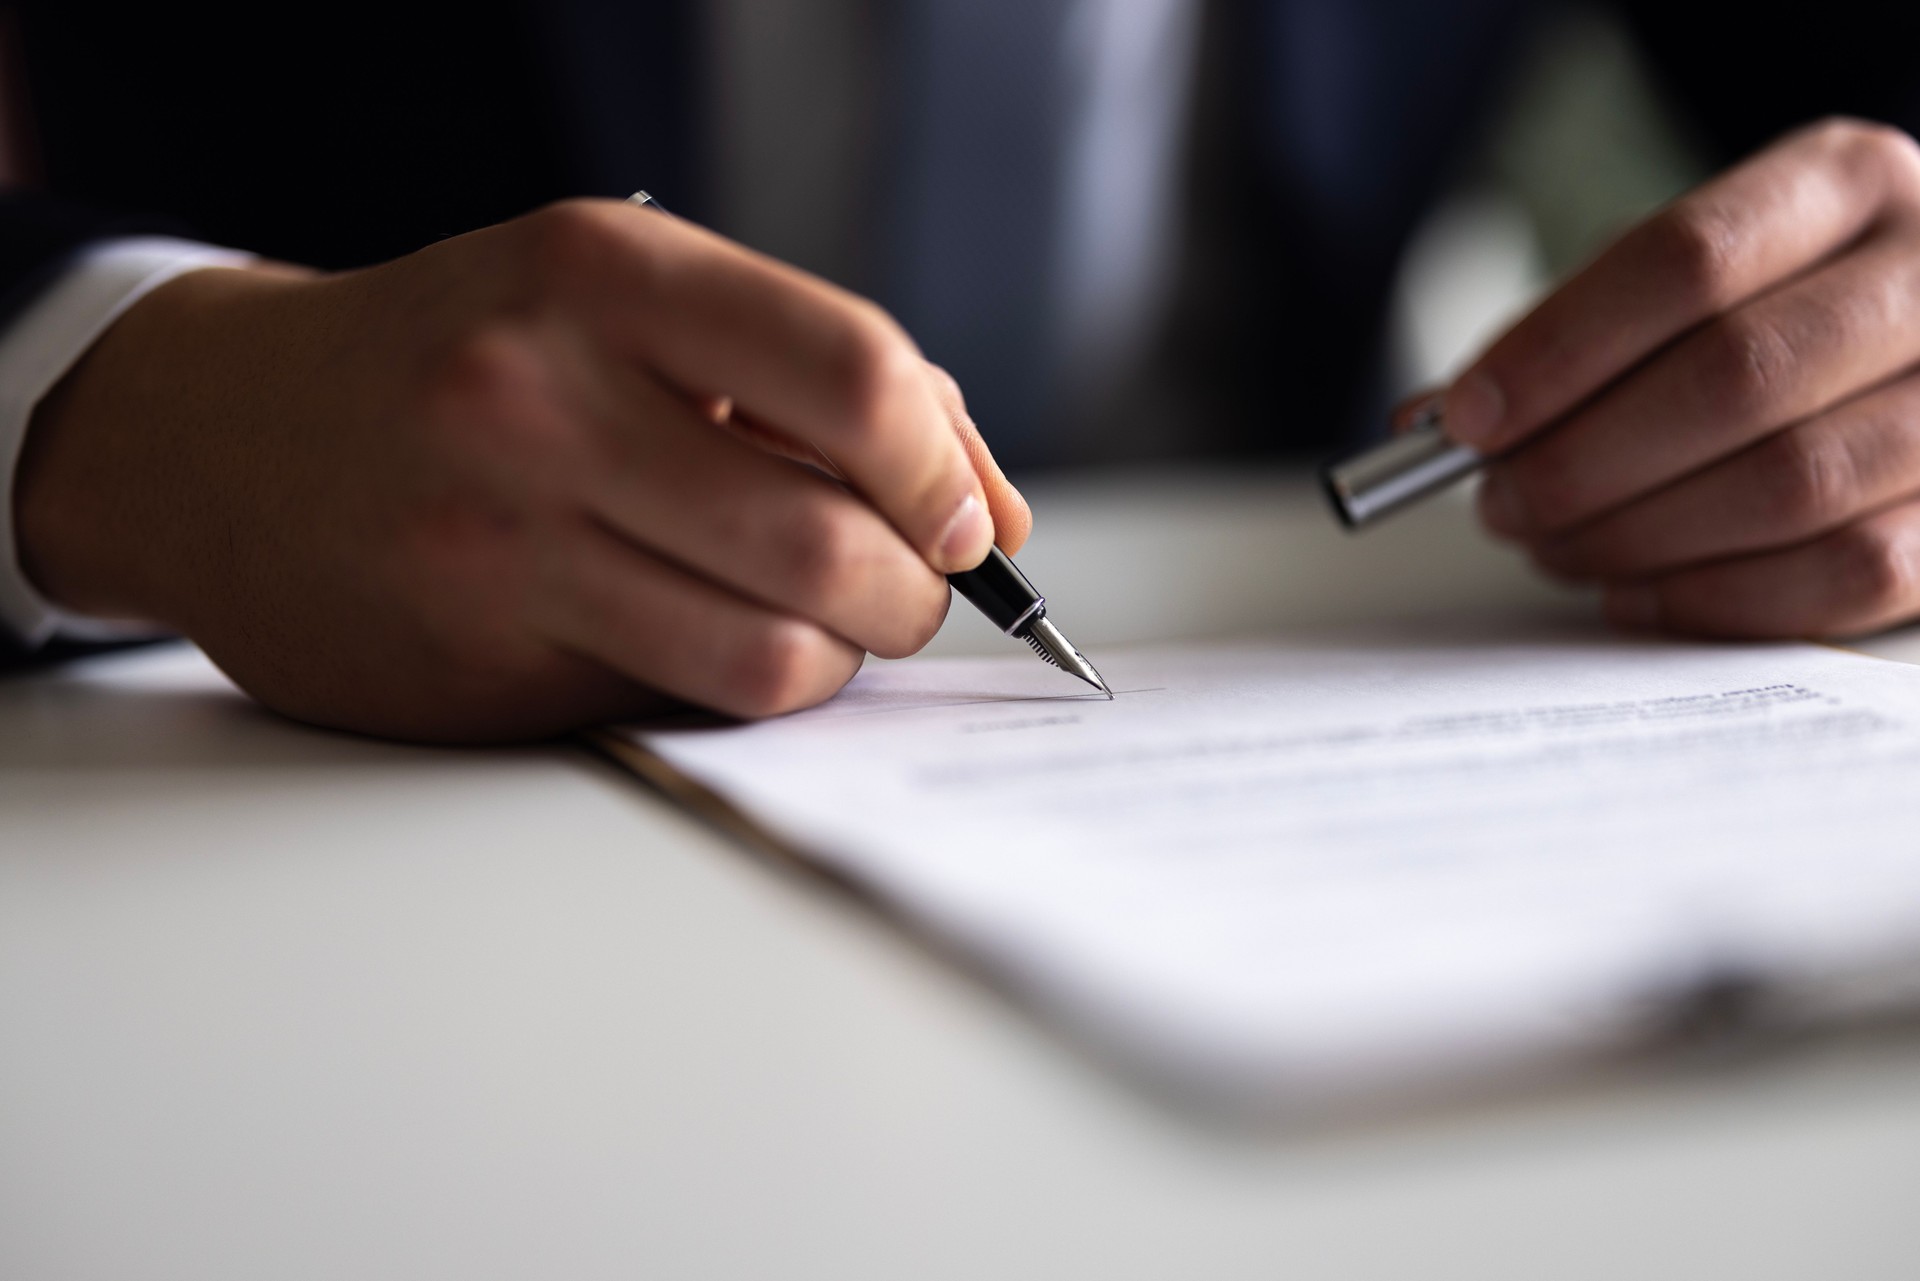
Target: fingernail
[968, 535]
[1635, 607]
[1474, 408]
[1501, 510]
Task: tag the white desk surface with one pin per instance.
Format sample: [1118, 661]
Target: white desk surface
[284, 1004]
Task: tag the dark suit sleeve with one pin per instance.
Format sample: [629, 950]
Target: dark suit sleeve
[40, 234]
[1743, 79]
[15, 658]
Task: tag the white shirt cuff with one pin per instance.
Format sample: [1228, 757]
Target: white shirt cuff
[36, 351]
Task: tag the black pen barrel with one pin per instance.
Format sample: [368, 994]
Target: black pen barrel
[999, 590]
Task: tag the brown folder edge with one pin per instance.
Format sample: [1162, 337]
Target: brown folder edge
[705, 804]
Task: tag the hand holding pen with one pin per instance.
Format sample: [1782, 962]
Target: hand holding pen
[1717, 421]
[995, 586]
[520, 481]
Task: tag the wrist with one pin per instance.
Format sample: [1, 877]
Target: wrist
[96, 493]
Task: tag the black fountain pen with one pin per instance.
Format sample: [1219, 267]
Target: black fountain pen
[1001, 592]
[998, 588]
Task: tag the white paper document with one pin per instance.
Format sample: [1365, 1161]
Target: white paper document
[1336, 865]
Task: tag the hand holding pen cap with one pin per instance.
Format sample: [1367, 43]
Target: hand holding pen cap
[1716, 420]
[1425, 457]
[998, 589]
[1415, 463]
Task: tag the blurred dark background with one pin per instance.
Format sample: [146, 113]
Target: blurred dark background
[1135, 229]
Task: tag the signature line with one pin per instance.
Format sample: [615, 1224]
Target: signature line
[1025, 698]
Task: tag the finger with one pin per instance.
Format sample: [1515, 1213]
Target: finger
[1785, 356]
[1790, 487]
[794, 353]
[1749, 229]
[1859, 578]
[757, 524]
[670, 631]
[1012, 518]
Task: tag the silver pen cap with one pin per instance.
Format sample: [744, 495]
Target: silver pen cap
[1415, 463]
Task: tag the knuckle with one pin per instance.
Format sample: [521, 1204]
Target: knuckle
[473, 549]
[1871, 154]
[826, 555]
[1837, 131]
[1745, 366]
[1697, 248]
[1877, 143]
[1808, 479]
[916, 624]
[948, 384]
[1874, 571]
[875, 368]
[487, 366]
[777, 668]
[947, 387]
[487, 397]
[571, 243]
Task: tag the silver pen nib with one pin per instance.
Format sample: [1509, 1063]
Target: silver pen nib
[1054, 648]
